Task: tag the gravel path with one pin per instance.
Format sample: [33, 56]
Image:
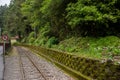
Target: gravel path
[12, 67]
[18, 64]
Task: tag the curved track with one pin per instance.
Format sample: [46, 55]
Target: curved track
[29, 68]
[22, 64]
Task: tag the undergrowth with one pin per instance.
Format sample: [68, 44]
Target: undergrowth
[103, 47]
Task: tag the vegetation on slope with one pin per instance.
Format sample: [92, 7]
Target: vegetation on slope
[103, 47]
[86, 27]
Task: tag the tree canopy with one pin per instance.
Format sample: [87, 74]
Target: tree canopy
[2, 15]
[62, 17]
[94, 16]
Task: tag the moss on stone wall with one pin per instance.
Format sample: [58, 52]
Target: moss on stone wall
[95, 69]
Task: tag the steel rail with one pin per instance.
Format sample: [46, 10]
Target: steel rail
[33, 63]
[21, 65]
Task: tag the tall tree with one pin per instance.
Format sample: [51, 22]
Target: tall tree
[3, 9]
[13, 23]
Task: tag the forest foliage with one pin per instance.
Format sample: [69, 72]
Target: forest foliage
[48, 22]
[80, 17]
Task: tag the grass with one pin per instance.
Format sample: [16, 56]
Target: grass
[103, 47]
[99, 48]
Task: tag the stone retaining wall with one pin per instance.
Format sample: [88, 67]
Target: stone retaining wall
[94, 69]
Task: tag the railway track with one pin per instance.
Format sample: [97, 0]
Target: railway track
[24, 65]
[29, 68]
[35, 68]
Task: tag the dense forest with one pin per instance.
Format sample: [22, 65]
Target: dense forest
[69, 25]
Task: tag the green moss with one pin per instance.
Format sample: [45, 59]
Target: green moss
[88, 67]
[76, 75]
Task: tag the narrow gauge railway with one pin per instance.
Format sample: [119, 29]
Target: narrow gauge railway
[35, 68]
[29, 68]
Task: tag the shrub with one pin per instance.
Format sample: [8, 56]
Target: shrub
[51, 42]
[42, 41]
[31, 35]
[31, 40]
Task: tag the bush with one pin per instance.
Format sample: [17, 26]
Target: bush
[42, 41]
[108, 41]
[31, 35]
[31, 40]
[51, 42]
